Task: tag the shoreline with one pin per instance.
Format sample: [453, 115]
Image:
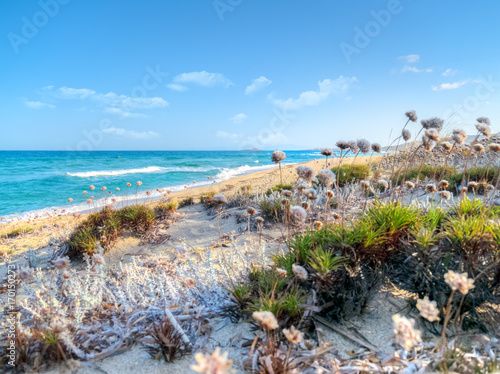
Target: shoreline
[259, 179]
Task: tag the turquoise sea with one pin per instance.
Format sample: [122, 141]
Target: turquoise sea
[36, 182]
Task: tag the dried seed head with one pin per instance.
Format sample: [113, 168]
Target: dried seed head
[293, 335]
[326, 152]
[412, 115]
[363, 145]
[298, 214]
[410, 185]
[70, 200]
[428, 309]
[353, 146]
[336, 216]
[447, 146]
[383, 183]
[342, 145]
[459, 136]
[278, 156]
[281, 272]
[305, 205]
[428, 143]
[406, 335]
[92, 187]
[430, 188]
[305, 172]
[299, 272]
[139, 183]
[329, 194]
[287, 193]
[406, 134]
[376, 147]
[484, 120]
[266, 319]
[301, 185]
[129, 184]
[478, 148]
[327, 177]
[494, 147]
[490, 187]
[432, 134]
[251, 211]
[219, 199]
[460, 282]
[432, 123]
[443, 184]
[318, 225]
[259, 219]
[473, 184]
[215, 363]
[445, 195]
[311, 194]
[483, 129]
[365, 184]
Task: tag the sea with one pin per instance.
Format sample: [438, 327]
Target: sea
[39, 183]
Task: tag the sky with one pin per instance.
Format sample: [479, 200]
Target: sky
[238, 74]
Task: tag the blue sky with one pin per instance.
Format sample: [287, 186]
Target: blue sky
[233, 74]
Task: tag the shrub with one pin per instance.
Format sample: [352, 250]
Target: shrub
[165, 210]
[17, 232]
[427, 171]
[475, 174]
[137, 218]
[206, 200]
[186, 202]
[271, 207]
[163, 341]
[351, 173]
[278, 188]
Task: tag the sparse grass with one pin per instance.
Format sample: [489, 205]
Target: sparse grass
[165, 210]
[17, 232]
[351, 173]
[427, 171]
[206, 200]
[186, 202]
[279, 187]
[476, 174]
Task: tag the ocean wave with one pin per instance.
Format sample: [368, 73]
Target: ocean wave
[146, 170]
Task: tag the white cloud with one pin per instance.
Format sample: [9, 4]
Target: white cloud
[177, 87]
[449, 86]
[130, 133]
[123, 113]
[229, 136]
[326, 88]
[449, 72]
[257, 85]
[274, 139]
[414, 69]
[239, 118]
[78, 93]
[410, 59]
[203, 78]
[38, 105]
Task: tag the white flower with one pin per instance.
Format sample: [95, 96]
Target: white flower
[293, 335]
[215, 363]
[459, 282]
[428, 309]
[281, 272]
[267, 319]
[406, 335]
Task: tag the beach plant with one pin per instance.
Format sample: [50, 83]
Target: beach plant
[187, 201]
[326, 152]
[165, 210]
[279, 188]
[219, 200]
[277, 157]
[351, 173]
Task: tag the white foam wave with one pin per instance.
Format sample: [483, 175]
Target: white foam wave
[146, 170]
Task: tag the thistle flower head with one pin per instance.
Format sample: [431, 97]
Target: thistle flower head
[406, 335]
[305, 172]
[336, 216]
[365, 184]
[428, 143]
[330, 194]
[412, 115]
[376, 147]
[299, 272]
[483, 129]
[447, 146]
[139, 183]
[305, 205]
[478, 148]
[287, 193]
[266, 319]
[484, 120]
[428, 309]
[219, 199]
[318, 225]
[70, 200]
[432, 123]
[458, 136]
[430, 188]
[445, 195]
[301, 185]
[89, 201]
[129, 184]
[406, 134]
[326, 152]
[342, 145]
[92, 187]
[251, 211]
[460, 282]
[311, 194]
[494, 147]
[259, 219]
[118, 188]
[281, 272]
[327, 177]
[363, 145]
[473, 184]
[278, 156]
[61, 263]
[383, 183]
[215, 363]
[432, 134]
[85, 192]
[298, 214]
[293, 335]
[104, 189]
